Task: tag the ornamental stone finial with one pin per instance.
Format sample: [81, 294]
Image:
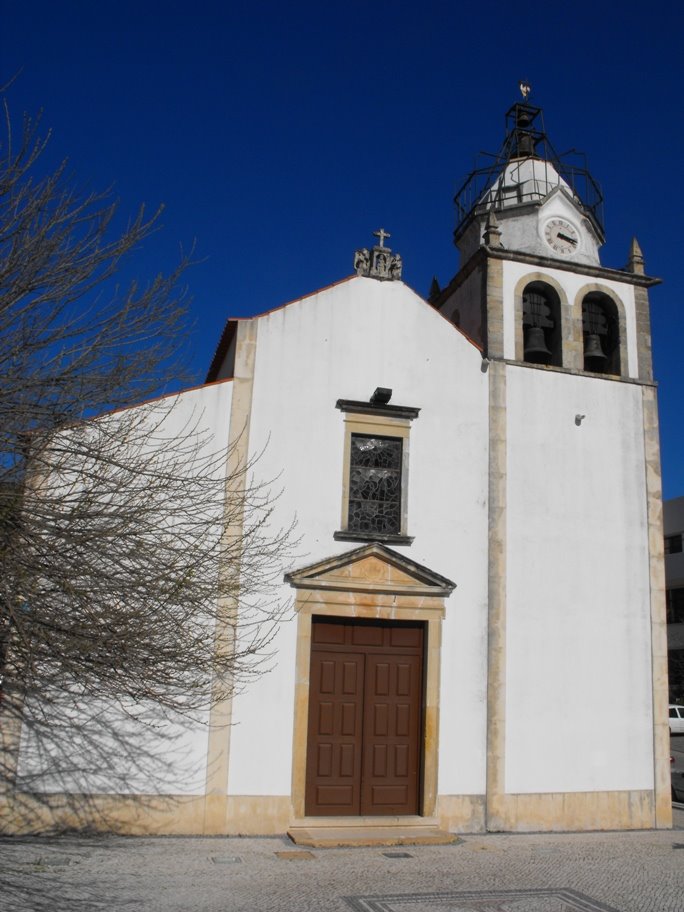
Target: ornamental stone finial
[435, 290]
[635, 263]
[492, 232]
[379, 262]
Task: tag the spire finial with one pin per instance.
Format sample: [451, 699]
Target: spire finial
[492, 232]
[635, 263]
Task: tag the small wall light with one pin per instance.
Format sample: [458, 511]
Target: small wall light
[381, 396]
[579, 419]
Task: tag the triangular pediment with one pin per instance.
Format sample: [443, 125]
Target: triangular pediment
[372, 568]
[560, 201]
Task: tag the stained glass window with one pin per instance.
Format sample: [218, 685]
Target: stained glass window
[375, 484]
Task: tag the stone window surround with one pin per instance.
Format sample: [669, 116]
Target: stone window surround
[554, 301]
[378, 421]
[565, 327]
[597, 288]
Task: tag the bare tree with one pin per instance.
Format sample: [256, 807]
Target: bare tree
[128, 540]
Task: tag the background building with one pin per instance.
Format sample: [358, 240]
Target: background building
[673, 526]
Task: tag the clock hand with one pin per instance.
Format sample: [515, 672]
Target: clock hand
[565, 237]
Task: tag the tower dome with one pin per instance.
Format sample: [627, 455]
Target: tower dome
[524, 180]
[526, 185]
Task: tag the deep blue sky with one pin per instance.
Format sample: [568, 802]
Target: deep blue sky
[279, 136]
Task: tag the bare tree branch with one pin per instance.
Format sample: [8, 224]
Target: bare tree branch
[138, 553]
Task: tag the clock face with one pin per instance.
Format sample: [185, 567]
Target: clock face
[561, 236]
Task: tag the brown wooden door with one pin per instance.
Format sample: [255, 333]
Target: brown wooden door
[336, 718]
[365, 719]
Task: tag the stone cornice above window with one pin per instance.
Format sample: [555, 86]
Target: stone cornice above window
[389, 538]
[368, 408]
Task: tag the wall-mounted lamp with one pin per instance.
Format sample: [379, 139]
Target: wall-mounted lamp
[381, 396]
[484, 367]
[579, 419]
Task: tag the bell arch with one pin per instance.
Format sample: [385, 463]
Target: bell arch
[556, 337]
[599, 317]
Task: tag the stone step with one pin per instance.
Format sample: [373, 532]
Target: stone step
[330, 836]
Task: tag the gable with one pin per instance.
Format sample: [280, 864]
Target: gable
[561, 203]
[330, 310]
[371, 568]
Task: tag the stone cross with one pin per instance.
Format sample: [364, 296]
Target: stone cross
[379, 262]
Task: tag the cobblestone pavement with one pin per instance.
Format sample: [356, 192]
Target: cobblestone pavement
[627, 872]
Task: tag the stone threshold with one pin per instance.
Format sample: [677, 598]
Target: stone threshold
[329, 832]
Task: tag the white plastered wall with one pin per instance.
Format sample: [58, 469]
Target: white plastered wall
[157, 754]
[343, 343]
[578, 660]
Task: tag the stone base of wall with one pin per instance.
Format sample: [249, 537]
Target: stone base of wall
[254, 815]
[147, 815]
[258, 815]
[462, 813]
[582, 811]
[551, 812]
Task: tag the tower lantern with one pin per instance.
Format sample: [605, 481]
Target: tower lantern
[517, 183]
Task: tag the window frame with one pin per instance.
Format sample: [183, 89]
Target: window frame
[673, 543]
[356, 469]
[674, 604]
[373, 421]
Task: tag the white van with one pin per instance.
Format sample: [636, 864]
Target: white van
[676, 720]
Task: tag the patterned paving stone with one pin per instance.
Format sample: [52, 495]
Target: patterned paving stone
[295, 856]
[481, 901]
[572, 872]
[226, 859]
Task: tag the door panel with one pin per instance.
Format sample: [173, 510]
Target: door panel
[391, 735]
[335, 730]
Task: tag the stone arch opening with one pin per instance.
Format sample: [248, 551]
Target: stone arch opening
[601, 334]
[541, 324]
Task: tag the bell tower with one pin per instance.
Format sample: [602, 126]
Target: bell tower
[575, 566]
[528, 212]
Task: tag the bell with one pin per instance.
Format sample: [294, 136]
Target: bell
[594, 356]
[525, 144]
[536, 351]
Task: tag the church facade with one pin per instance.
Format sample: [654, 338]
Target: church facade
[478, 636]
